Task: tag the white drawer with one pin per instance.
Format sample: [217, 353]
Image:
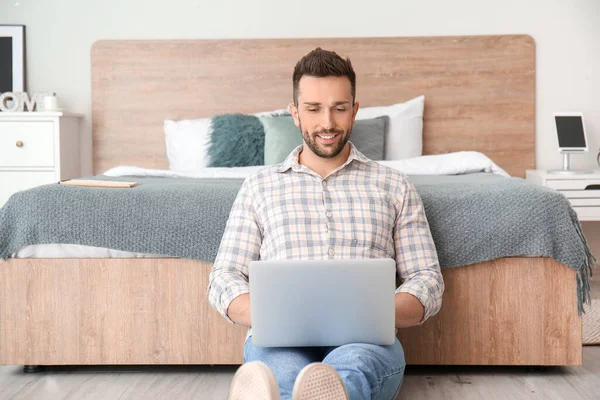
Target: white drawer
[585, 202]
[588, 213]
[14, 181]
[581, 194]
[36, 140]
[572, 184]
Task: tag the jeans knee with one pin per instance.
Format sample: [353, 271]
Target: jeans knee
[398, 354]
[389, 387]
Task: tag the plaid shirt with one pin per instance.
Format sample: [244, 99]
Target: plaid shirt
[360, 210]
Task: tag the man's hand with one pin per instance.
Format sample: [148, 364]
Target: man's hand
[409, 310]
[239, 310]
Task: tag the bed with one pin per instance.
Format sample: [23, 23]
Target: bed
[480, 95]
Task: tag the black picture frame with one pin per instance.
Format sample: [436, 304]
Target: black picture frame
[12, 58]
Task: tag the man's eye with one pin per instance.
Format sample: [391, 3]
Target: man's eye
[341, 109]
[312, 109]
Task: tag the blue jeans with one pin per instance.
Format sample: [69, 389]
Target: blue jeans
[368, 371]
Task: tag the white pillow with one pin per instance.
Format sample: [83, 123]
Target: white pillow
[404, 136]
[188, 141]
[457, 163]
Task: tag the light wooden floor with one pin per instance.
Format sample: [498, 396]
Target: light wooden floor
[213, 382]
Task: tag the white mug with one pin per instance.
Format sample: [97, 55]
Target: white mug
[50, 103]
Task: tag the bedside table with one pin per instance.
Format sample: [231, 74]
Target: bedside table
[37, 148]
[583, 190]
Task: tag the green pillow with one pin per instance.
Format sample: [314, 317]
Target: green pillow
[282, 137]
[236, 140]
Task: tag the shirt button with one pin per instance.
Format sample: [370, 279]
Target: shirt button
[329, 214]
[331, 252]
[324, 183]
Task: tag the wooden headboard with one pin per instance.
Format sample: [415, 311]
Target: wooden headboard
[479, 90]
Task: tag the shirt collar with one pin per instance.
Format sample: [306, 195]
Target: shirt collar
[292, 160]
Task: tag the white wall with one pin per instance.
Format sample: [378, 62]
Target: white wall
[59, 35]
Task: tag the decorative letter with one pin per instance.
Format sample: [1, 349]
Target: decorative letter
[5, 98]
[26, 104]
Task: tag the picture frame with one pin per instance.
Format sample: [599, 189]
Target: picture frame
[12, 58]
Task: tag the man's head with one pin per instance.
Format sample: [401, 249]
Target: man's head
[324, 104]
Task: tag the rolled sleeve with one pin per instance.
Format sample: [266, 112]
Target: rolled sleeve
[427, 289]
[239, 246]
[416, 255]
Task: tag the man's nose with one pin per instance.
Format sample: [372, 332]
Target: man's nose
[328, 122]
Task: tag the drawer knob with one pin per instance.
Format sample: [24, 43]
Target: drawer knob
[19, 144]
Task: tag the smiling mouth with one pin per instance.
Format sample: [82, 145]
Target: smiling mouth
[327, 138]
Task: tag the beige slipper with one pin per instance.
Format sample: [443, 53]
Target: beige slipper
[254, 381]
[319, 381]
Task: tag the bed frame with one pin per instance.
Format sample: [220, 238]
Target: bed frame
[480, 95]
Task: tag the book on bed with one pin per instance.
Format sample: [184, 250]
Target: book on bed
[94, 183]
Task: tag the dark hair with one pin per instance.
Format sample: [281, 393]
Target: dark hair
[322, 63]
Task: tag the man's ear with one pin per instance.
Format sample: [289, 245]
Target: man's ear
[294, 111]
[355, 111]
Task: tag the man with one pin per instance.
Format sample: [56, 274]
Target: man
[326, 201]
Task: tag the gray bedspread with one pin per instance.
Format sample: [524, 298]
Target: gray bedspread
[473, 218]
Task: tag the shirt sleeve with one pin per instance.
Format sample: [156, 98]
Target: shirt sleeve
[240, 244]
[416, 256]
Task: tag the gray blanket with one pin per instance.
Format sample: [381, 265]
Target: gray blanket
[473, 218]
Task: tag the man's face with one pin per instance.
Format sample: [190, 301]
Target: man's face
[325, 113]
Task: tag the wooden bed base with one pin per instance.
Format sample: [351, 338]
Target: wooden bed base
[511, 311]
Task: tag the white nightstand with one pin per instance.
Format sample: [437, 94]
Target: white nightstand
[37, 148]
[583, 191]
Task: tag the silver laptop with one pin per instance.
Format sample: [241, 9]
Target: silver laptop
[322, 302]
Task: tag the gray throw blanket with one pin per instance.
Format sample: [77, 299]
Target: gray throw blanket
[473, 218]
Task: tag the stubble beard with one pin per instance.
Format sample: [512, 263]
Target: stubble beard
[325, 151]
